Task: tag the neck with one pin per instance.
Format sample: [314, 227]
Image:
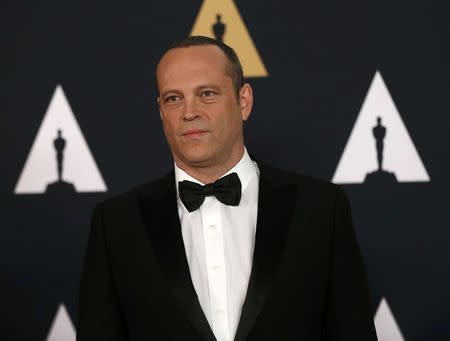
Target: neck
[209, 174]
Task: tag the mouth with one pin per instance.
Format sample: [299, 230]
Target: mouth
[194, 133]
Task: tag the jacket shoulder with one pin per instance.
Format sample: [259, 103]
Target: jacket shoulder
[302, 181]
[152, 188]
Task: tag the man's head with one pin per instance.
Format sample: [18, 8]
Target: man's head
[203, 102]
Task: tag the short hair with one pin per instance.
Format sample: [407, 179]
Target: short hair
[233, 67]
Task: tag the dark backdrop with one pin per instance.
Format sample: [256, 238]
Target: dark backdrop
[321, 58]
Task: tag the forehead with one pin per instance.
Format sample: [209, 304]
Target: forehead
[190, 62]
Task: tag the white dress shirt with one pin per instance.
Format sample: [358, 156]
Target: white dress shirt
[219, 242]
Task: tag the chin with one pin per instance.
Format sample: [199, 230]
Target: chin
[196, 156]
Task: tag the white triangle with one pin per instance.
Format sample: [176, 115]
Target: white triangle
[62, 328]
[360, 155]
[385, 324]
[79, 167]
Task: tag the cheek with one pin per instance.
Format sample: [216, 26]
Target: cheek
[228, 117]
[223, 124]
[231, 122]
[170, 128]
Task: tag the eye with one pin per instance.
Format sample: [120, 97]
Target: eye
[208, 93]
[172, 99]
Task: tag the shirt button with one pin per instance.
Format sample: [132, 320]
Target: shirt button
[212, 227]
[220, 311]
[216, 267]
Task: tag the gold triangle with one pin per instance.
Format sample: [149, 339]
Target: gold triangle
[236, 34]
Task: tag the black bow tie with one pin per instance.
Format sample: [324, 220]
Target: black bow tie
[227, 190]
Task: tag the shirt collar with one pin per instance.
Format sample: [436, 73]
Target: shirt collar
[245, 169]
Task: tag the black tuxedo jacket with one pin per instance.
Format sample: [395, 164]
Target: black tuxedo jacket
[307, 280]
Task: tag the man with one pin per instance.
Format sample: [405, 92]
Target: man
[224, 247]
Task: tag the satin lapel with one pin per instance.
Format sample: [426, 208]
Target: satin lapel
[159, 209]
[275, 205]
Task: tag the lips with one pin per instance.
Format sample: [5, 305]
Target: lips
[194, 132]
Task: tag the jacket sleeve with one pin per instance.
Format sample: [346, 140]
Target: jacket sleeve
[348, 316]
[99, 315]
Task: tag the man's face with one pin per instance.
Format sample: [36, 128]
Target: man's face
[201, 116]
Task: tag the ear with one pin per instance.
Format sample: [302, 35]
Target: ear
[159, 106]
[246, 101]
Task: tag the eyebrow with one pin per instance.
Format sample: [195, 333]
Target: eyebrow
[209, 86]
[163, 94]
[200, 87]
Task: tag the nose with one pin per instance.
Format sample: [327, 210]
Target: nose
[191, 110]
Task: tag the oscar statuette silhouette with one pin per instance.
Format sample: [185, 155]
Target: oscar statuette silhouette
[60, 186]
[380, 176]
[219, 28]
